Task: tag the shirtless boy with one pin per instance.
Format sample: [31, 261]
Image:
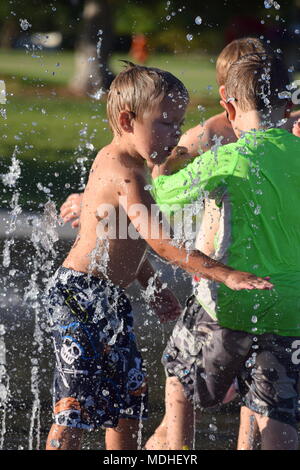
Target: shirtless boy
[100, 379]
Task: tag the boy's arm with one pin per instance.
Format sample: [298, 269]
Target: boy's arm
[196, 140]
[138, 204]
[294, 117]
[296, 128]
[177, 160]
[164, 304]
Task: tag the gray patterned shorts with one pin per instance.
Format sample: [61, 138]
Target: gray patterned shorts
[207, 358]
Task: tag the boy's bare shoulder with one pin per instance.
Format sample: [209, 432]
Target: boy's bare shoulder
[118, 167]
[201, 137]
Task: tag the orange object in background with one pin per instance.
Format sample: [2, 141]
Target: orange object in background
[139, 48]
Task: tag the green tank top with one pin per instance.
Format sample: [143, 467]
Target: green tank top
[256, 180]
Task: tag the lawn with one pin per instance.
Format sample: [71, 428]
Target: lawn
[56, 136]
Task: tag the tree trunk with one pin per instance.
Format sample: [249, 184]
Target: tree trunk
[8, 34]
[92, 74]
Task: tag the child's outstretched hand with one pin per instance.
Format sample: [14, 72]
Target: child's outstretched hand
[296, 128]
[165, 305]
[238, 280]
[71, 208]
[178, 158]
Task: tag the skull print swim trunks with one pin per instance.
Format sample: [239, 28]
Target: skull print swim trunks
[99, 374]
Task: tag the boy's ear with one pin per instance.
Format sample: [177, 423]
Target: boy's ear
[126, 121]
[222, 93]
[230, 109]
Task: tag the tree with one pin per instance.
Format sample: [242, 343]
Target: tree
[93, 49]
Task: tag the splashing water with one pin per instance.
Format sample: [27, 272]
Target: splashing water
[271, 3]
[44, 236]
[140, 428]
[4, 385]
[24, 24]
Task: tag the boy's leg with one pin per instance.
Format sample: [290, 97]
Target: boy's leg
[248, 431]
[64, 438]
[273, 394]
[179, 416]
[201, 360]
[177, 427]
[276, 435]
[158, 440]
[124, 436]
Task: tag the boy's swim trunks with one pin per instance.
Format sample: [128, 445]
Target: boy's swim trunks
[99, 375]
[206, 358]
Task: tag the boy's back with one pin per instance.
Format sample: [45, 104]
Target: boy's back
[259, 228]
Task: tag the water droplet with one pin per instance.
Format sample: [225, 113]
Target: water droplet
[213, 427]
[268, 3]
[153, 155]
[55, 443]
[24, 24]
[189, 37]
[198, 20]
[284, 95]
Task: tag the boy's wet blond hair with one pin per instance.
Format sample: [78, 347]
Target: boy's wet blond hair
[233, 51]
[139, 89]
[258, 82]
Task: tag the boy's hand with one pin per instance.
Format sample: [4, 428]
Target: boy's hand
[238, 280]
[165, 305]
[71, 209]
[178, 158]
[296, 128]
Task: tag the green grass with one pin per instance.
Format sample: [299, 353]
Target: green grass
[52, 130]
[50, 135]
[56, 68]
